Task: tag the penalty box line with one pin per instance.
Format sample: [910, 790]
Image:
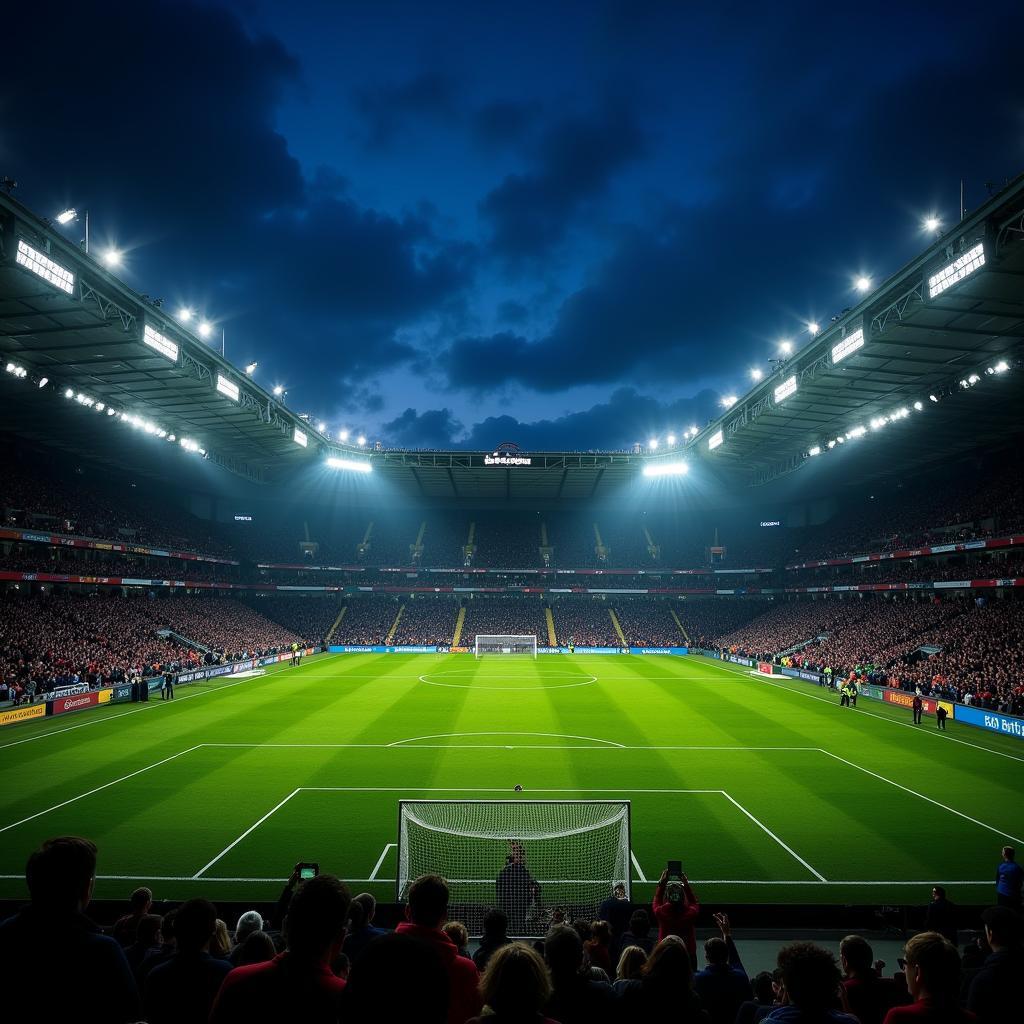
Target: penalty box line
[477, 790]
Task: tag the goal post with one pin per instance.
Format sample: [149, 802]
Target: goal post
[506, 644]
[529, 858]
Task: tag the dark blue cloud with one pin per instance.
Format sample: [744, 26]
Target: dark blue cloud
[389, 109]
[577, 159]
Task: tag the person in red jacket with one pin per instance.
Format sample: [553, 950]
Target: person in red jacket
[426, 911]
[297, 984]
[675, 909]
[933, 977]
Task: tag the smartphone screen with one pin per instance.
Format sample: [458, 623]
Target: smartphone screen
[309, 870]
[675, 869]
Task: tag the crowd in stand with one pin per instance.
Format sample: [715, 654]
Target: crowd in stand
[788, 623]
[649, 623]
[911, 571]
[708, 619]
[367, 620]
[308, 617]
[59, 639]
[584, 622]
[427, 621]
[505, 616]
[321, 959]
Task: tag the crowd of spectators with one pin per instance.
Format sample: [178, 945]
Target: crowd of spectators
[977, 567]
[367, 620]
[308, 617]
[505, 616]
[427, 620]
[321, 960]
[789, 623]
[60, 639]
[649, 623]
[584, 622]
[708, 619]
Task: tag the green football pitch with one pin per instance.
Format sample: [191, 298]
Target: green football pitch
[767, 791]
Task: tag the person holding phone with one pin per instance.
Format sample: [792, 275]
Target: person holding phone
[676, 907]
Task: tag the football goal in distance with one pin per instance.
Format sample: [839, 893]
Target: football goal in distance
[528, 858]
[524, 646]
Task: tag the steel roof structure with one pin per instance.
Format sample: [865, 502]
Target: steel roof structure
[67, 318]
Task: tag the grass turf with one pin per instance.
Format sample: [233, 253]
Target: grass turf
[221, 792]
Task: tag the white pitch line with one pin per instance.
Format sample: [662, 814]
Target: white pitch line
[921, 796]
[891, 721]
[406, 745]
[251, 828]
[636, 864]
[106, 785]
[547, 735]
[478, 789]
[380, 860]
[761, 825]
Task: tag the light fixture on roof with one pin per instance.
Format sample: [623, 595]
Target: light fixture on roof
[205, 329]
[278, 390]
[653, 444]
[353, 465]
[666, 469]
[343, 436]
[785, 389]
[671, 439]
[43, 381]
[729, 401]
[185, 314]
[813, 328]
[112, 256]
[862, 283]
[786, 346]
[756, 373]
[848, 345]
[919, 406]
[322, 428]
[42, 266]
[954, 272]
[816, 450]
[361, 441]
[1001, 367]
[67, 216]
[931, 224]
[160, 343]
[251, 368]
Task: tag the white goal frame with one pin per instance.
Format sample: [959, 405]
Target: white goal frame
[505, 643]
[509, 828]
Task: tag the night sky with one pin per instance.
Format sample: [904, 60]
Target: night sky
[568, 225]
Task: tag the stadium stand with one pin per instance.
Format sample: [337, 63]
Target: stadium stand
[504, 615]
[585, 622]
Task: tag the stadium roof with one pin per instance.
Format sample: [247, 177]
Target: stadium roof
[66, 317]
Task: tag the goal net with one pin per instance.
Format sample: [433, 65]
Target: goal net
[525, 646]
[528, 858]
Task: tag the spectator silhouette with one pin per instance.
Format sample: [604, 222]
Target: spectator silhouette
[361, 929]
[90, 979]
[665, 989]
[995, 992]
[140, 902]
[515, 987]
[723, 985]
[495, 936]
[576, 996]
[933, 978]
[810, 984]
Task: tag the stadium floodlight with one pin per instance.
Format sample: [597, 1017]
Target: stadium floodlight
[361, 441]
[933, 398]
[67, 216]
[856, 432]
[299, 437]
[756, 374]
[228, 388]
[111, 412]
[919, 406]
[715, 440]
[785, 389]
[205, 329]
[1001, 367]
[343, 436]
[16, 371]
[42, 266]
[112, 257]
[729, 401]
[189, 445]
[666, 469]
[848, 345]
[813, 328]
[251, 368]
[671, 439]
[878, 422]
[831, 445]
[816, 450]
[931, 224]
[68, 393]
[786, 346]
[100, 407]
[43, 381]
[278, 390]
[653, 444]
[954, 272]
[694, 431]
[185, 314]
[354, 465]
[162, 344]
[322, 428]
[862, 283]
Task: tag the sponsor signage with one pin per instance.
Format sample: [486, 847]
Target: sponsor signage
[801, 673]
[69, 691]
[121, 693]
[22, 714]
[657, 650]
[75, 703]
[737, 660]
[765, 668]
[994, 721]
[507, 460]
[103, 696]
